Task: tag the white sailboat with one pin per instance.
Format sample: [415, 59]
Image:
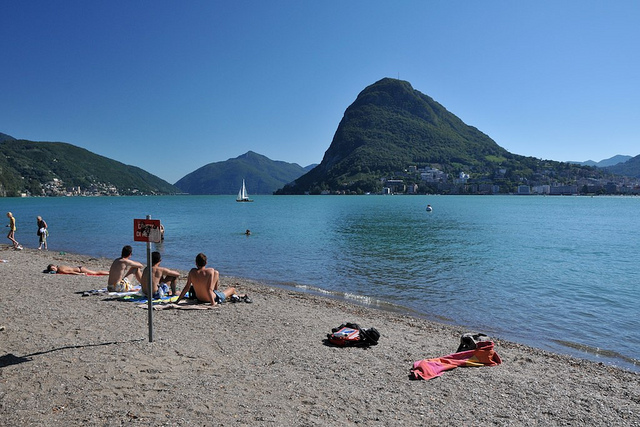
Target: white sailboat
[242, 194]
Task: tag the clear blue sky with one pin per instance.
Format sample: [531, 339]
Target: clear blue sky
[171, 86]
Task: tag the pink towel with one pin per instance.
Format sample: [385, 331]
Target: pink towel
[482, 355]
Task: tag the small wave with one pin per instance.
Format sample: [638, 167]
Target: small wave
[600, 352]
[351, 297]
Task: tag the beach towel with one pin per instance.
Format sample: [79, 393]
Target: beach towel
[482, 355]
[86, 274]
[141, 298]
[135, 290]
[104, 291]
[183, 305]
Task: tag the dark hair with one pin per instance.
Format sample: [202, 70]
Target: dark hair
[126, 251]
[201, 260]
[155, 257]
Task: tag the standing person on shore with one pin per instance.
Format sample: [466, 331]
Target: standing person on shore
[121, 269]
[42, 233]
[160, 276]
[205, 283]
[12, 231]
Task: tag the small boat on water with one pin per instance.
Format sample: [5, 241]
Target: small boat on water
[429, 208]
[242, 194]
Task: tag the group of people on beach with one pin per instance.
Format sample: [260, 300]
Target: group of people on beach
[43, 232]
[202, 281]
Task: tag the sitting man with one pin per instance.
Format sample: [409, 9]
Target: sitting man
[160, 277]
[78, 271]
[121, 269]
[205, 283]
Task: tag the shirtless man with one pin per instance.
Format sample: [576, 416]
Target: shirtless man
[205, 283]
[12, 231]
[121, 269]
[160, 277]
[78, 271]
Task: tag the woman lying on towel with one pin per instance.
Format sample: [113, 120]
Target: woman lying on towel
[78, 271]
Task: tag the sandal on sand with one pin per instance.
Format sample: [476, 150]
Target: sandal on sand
[247, 299]
[235, 298]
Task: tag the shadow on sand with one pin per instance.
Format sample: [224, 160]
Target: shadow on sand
[11, 359]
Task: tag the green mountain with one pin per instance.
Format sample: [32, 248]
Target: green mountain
[261, 174]
[57, 168]
[629, 168]
[4, 137]
[391, 127]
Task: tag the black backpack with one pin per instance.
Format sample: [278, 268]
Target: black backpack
[469, 341]
[352, 335]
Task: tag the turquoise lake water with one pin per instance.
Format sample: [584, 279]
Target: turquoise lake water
[559, 273]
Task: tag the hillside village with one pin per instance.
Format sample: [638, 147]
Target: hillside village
[57, 188]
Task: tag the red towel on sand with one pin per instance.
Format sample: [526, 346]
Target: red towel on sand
[482, 355]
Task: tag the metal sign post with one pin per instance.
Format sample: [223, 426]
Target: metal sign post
[148, 230]
[149, 291]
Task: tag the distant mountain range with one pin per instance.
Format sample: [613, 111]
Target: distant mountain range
[58, 168]
[606, 162]
[619, 165]
[4, 137]
[390, 132]
[629, 168]
[52, 168]
[261, 174]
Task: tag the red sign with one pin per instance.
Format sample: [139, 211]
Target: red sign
[147, 230]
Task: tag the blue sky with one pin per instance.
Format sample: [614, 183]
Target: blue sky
[171, 86]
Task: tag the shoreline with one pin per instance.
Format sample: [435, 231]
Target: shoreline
[565, 348]
[68, 360]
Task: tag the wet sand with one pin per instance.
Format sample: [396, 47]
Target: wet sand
[68, 359]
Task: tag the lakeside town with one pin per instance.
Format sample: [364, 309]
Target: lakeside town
[439, 182]
[415, 180]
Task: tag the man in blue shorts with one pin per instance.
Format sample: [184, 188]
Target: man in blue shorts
[161, 277]
[205, 283]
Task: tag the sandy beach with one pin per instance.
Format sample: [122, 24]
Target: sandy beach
[68, 359]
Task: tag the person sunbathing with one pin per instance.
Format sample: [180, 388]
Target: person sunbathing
[78, 271]
[205, 283]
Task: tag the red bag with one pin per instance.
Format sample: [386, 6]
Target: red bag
[344, 337]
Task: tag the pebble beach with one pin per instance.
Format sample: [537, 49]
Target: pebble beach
[68, 359]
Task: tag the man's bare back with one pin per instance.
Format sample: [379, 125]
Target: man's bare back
[159, 275]
[204, 281]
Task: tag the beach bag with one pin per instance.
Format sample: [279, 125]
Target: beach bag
[191, 294]
[469, 341]
[352, 335]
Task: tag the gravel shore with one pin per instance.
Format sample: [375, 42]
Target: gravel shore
[68, 359]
